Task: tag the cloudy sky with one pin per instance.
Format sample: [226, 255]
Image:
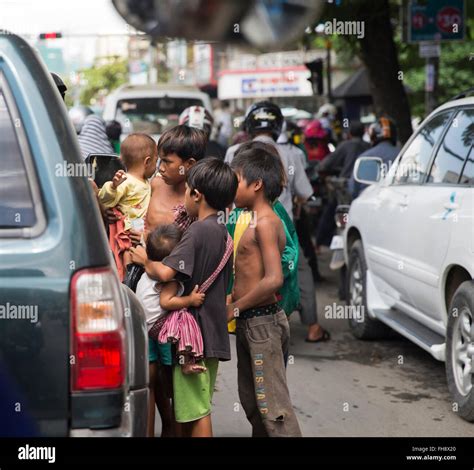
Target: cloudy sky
[29, 18]
[83, 17]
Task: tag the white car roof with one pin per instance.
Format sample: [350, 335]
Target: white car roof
[454, 104]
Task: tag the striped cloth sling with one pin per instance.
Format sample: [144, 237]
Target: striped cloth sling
[180, 326]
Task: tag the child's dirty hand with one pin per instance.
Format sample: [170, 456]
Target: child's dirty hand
[138, 255]
[119, 178]
[110, 216]
[135, 236]
[230, 312]
[197, 298]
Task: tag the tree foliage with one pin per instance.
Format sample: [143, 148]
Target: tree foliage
[456, 63]
[456, 67]
[102, 78]
[377, 49]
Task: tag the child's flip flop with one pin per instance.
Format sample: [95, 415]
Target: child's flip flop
[325, 337]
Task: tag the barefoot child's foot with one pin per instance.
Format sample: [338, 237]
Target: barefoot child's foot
[190, 368]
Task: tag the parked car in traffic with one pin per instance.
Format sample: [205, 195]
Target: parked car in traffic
[409, 245]
[73, 342]
[151, 109]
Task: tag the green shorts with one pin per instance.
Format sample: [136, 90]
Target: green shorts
[192, 393]
[159, 352]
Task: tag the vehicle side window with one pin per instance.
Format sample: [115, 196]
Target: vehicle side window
[467, 177]
[413, 164]
[452, 153]
[16, 203]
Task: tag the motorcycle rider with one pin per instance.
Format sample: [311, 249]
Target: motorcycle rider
[264, 122]
[383, 136]
[316, 139]
[200, 118]
[291, 138]
[341, 162]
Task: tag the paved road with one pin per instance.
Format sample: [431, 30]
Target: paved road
[351, 388]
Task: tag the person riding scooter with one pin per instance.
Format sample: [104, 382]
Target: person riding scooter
[383, 136]
[200, 118]
[316, 141]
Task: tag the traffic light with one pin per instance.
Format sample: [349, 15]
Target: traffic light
[50, 36]
[316, 78]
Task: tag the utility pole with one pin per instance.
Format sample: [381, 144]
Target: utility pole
[430, 51]
[431, 83]
[328, 68]
[153, 62]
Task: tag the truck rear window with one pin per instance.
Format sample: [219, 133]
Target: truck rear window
[16, 203]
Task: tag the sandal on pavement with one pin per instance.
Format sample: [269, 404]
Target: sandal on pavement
[325, 337]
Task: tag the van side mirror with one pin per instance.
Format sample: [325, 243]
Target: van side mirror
[104, 166]
[368, 170]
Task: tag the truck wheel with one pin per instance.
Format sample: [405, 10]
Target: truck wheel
[362, 327]
[460, 350]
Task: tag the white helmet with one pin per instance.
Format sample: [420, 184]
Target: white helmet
[197, 117]
[327, 108]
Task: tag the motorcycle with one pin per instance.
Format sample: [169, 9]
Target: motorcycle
[338, 186]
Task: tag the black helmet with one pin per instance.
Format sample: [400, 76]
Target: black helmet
[383, 129]
[264, 116]
[113, 129]
[59, 83]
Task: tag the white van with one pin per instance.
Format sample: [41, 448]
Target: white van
[151, 108]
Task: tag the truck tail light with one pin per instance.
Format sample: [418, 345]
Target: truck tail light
[98, 333]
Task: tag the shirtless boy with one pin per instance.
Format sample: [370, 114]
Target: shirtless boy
[178, 149]
[262, 327]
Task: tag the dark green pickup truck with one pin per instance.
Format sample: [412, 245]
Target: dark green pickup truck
[73, 341]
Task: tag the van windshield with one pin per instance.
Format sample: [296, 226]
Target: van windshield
[152, 115]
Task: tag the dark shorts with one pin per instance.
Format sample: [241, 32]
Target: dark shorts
[159, 352]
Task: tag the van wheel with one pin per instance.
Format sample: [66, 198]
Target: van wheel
[363, 327]
[460, 350]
